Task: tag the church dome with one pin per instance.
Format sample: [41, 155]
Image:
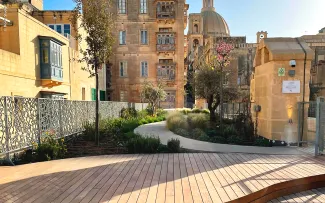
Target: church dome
[214, 24]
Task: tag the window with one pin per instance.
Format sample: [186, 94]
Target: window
[102, 95]
[122, 6]
[144, 37]
[51, 58]
[123, 69]
[83, 93]
[93, 94]
[122, 37]
[64, 29]
[143, 6]
[165, 39]
[144, 69]
[196, 28]
[45, 55]
[123, 96]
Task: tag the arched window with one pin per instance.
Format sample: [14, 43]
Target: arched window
[195, 43]
[196, 28]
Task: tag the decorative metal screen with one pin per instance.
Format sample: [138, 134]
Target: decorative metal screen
[23, 121]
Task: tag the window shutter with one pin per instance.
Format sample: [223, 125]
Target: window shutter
[123, 37]
[121, 69]
[102, 95]
[146, 69]
[125, 69]
[93, 94]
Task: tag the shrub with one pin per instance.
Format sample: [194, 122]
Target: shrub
[234, 139]
[176, 120]
[262, 142]
[218, 139]
[161, 113]
[128, 113]
[196, 110]
[182, 132]
[174, 146]
[206, 111]
[204, 138]
[129, 125]
[163, 149]
[142, 114]
[228, 121]
[229, 131]
[186, 111]
[198, 121]
[140, 144]
[197, 132]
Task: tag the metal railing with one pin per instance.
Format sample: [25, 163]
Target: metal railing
[23, 121]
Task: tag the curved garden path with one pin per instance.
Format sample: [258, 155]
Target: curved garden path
[160, 130]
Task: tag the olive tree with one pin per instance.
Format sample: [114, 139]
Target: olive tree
[209, 74]
[153, 94]
[96, 19]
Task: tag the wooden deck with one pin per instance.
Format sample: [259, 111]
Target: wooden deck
[156, 178]
[315, 195]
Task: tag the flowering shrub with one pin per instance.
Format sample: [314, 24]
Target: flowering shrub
[50, 148]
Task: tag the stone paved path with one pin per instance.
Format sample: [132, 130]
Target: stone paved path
[159, 130]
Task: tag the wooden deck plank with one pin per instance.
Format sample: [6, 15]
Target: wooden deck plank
[196, 194]
[112, 194]
[170, 188]
[206, 196]
[215, 181]
[140, 182]
[105, 186]
[158, 178]
[161, 192]
[186, 187]
[143, 195]
[236, 174]
[178, 188]
[210, 187]
[108, 169]
[152, 195]
[216, 168]
[128, 181]
[241, 172]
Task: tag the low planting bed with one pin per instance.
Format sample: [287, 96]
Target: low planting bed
[195, 124]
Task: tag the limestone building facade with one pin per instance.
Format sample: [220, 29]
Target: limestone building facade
[37, 52]
[149, 46]
[208, 28]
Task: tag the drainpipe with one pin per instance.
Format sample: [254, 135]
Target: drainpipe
[70, 72]
[303, 89]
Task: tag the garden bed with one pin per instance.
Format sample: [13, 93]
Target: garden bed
[195, 124]
[116, 137]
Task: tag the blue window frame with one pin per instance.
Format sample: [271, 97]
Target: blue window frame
[51, 58]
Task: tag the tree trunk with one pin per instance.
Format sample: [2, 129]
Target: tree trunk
[221, 98]
[97, 107]
[213, 117]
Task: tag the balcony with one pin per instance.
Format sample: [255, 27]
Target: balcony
[166, 71]
[166, 41]
[51, 64]
[166, 12]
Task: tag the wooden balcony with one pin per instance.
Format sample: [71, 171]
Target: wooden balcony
[166, 71]
[166, 41]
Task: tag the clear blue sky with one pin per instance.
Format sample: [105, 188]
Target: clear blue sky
[281, 18]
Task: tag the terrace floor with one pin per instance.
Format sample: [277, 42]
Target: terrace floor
[205, 177]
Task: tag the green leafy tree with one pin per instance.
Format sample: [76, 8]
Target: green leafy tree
[210, 71]
[153, 94]
[96, 19]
